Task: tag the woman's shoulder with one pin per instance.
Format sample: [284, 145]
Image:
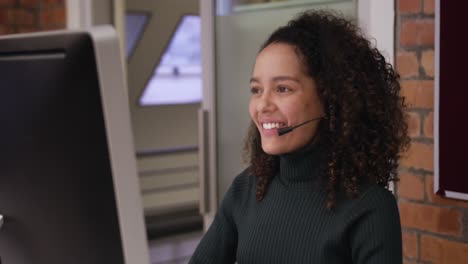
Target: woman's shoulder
[240, 191]
[375, 199]
[376, 194]
[243, 182]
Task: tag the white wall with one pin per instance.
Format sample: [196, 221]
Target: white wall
[377, 20]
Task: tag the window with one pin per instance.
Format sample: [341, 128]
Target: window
[177, 78]
[134, 25]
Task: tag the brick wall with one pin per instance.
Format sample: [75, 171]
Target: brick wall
[435, 229]
[18, 16]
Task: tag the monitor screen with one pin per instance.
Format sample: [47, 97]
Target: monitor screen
[68, 183]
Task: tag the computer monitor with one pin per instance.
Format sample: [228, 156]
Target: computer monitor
[69, 191]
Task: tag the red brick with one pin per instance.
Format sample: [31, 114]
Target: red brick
[409, 6]
[431, 218]
[52, 27]
[418, 93]
[6, 29]
[442, 251]
[52, 16]
[405, 261]
[29, 3]
[7, 3]
[3, 29]
[411, 187]
[439, 200]
[429, 125]
[407, 64]
[3, 16]
[427, 62]
[22, 17]
[52, 2]
[410, 245]
[414, 124]
[419, 156]
[429, 6]
[26, 29]
[61, 16]
[417, 32]
[46, 17]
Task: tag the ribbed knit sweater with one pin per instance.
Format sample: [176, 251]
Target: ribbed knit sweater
[292, 224]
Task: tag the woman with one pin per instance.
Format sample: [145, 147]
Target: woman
[316, 194]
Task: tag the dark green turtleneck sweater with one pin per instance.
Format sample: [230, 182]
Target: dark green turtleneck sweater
[293, 225]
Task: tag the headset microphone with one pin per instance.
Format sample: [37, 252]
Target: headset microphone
[285, 130]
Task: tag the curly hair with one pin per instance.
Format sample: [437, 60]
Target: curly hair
[366, 130]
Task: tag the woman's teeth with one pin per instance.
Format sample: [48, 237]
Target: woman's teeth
[271, 125]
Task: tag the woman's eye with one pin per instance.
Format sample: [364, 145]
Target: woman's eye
[283, 89]
[254, 90]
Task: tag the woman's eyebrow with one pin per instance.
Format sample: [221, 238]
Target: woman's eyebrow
[285, 78]
[253, 79]
[277, 79]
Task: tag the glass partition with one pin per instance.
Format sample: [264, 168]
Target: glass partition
[226, 7]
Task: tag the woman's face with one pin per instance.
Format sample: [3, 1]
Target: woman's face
[283, 94]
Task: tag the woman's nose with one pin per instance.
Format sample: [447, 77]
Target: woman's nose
[266, 103]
